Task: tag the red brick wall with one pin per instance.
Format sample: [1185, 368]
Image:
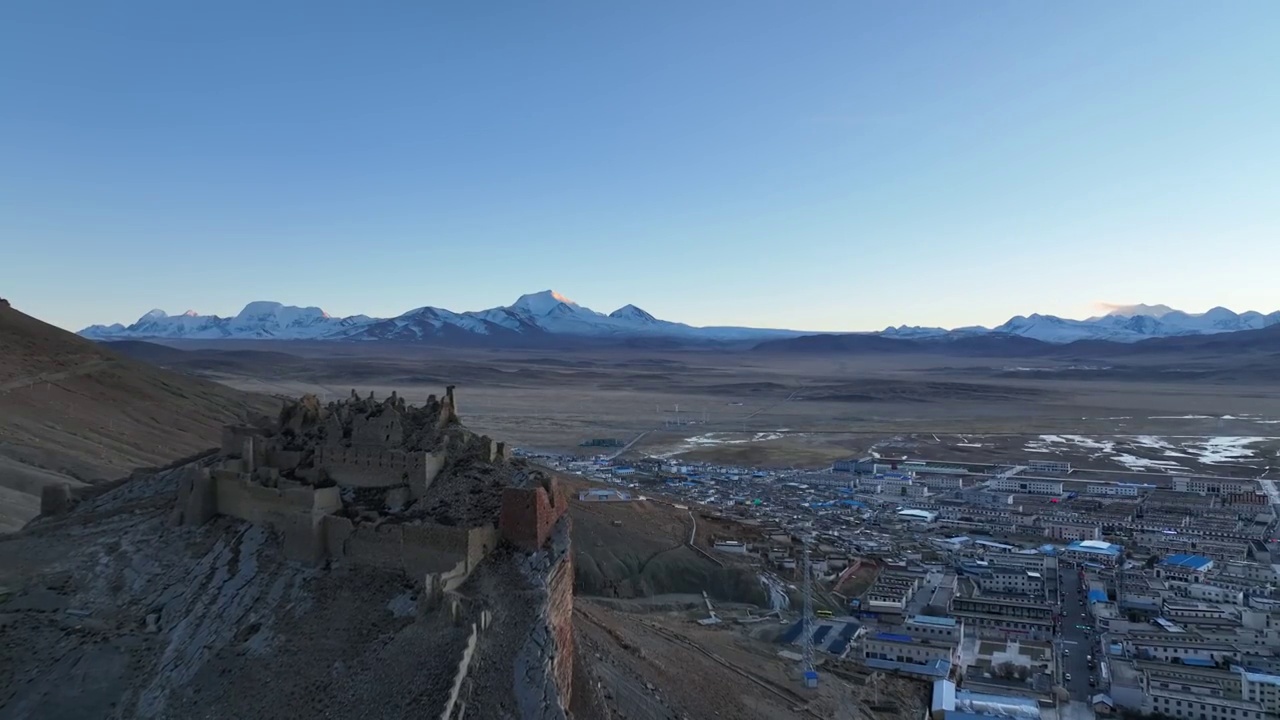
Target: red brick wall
[528, 515]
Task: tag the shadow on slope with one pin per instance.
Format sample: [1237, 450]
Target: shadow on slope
[73, 411]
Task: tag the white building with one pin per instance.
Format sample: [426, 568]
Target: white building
[604, 495]
[938, 629]
[1261, 688]
[730, 546]
[1026, 486]
[1196, 706]
[903, 648]
[1023, 560]
[922, 516]
[1049, 466]
[1093, 551]
[1010, 581]
[1070, 531]
[1213, 486]
[1116, 489]
[941, 482]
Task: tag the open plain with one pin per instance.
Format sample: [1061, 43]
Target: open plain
[745, 407]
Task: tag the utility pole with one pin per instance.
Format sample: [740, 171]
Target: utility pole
[810, 677]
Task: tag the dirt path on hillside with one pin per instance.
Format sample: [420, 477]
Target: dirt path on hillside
[54, 377]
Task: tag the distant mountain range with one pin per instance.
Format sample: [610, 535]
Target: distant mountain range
[540, 315]
[547, 315]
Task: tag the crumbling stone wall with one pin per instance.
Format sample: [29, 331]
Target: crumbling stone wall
[295, 510]
[443, 557]
[529, 513]
[560, 620]
[240, 497]
[374, 467]
[245, 442]
[383, 430]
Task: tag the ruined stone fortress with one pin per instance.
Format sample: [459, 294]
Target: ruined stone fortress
[400, 488]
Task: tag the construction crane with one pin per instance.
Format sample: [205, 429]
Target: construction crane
[806, 629]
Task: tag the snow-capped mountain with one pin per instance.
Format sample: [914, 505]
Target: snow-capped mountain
[1122, 326]
[1155, 311]
[541, 313]
[633, 314]
[550, 314]
[258, 320]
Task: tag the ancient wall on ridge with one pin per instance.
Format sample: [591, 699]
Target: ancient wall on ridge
[416, 550]
[560, 619]
[544, 664]
[529, 513]
[242, 498]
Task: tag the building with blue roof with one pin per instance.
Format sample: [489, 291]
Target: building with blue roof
[1097, 596]
[923, 640]
[930, 670]
[1093, 551]
[1184, 568]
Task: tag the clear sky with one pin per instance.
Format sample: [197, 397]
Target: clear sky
[826, 166]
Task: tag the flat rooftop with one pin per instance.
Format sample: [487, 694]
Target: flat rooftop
[930, 620]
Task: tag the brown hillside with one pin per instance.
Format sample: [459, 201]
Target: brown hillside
[72, 411]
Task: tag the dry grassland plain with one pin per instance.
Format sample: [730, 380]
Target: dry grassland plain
[753, 408]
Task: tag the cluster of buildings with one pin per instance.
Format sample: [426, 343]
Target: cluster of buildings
[1009, 585]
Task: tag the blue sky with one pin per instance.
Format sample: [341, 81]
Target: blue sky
[826, 166]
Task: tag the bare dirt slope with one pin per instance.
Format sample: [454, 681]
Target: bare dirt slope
[113, 612]
[639, 550]
[656, 666]
[72, 411]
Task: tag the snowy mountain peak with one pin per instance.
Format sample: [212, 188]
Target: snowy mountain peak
[541, 303]
[631, 313]
[191, 313]
[1155, 311]
[267, 308]
[156, 314]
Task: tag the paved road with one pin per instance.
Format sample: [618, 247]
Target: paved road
[1269, 487]
[628, 446]
[1074, 639]
[770, 407]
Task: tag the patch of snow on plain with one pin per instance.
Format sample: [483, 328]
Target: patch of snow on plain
[1217, 450]
[1155, 443]
[1182, 417]
[1104, 446]
[1133, 462]
[718, 438]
